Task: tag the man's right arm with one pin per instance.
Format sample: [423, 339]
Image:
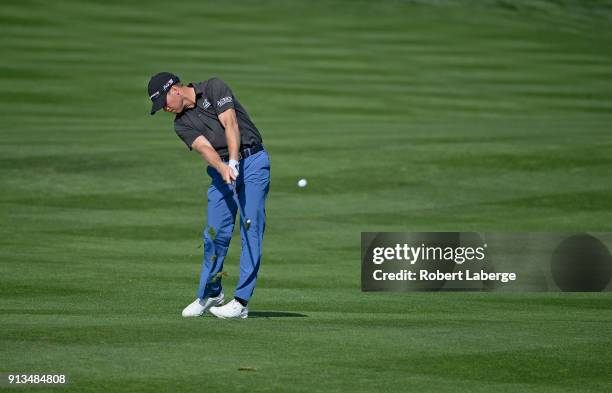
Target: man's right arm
[203, 146]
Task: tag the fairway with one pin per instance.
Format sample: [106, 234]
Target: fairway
[402, 116]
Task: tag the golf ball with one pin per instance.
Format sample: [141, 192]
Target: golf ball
[302, 183]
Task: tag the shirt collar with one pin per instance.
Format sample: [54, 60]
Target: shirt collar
[196, 88]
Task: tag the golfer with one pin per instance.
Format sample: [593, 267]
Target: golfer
[210, 120]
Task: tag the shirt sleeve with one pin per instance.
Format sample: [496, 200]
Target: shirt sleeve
[187, 134]
[220, 95]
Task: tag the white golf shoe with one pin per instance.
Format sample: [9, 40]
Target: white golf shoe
[230, 310]
[200, 306]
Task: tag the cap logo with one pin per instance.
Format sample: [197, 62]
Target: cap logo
[168, 84]
[154, 95]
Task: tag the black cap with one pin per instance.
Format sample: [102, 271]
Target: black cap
[159, 86]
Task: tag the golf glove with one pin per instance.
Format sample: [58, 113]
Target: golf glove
[234, 165]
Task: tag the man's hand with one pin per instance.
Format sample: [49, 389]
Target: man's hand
[202, 146]
[227, 173]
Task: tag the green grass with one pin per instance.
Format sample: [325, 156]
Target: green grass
[403, 116]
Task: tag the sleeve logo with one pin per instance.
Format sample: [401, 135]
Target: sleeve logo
[223, 101]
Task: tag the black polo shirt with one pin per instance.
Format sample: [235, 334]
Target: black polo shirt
[213, 97]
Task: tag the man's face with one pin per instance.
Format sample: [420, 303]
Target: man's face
[174, 101]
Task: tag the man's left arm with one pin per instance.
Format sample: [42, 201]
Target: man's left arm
[232, 134]
[223, 100]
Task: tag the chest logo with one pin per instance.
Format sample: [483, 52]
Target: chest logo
[206, 104]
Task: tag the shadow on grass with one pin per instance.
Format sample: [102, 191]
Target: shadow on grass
[275, 314]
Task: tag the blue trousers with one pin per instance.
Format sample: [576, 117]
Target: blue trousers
[247, 195]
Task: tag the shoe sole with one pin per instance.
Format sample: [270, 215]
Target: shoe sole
[240, 317]
[222, 317]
